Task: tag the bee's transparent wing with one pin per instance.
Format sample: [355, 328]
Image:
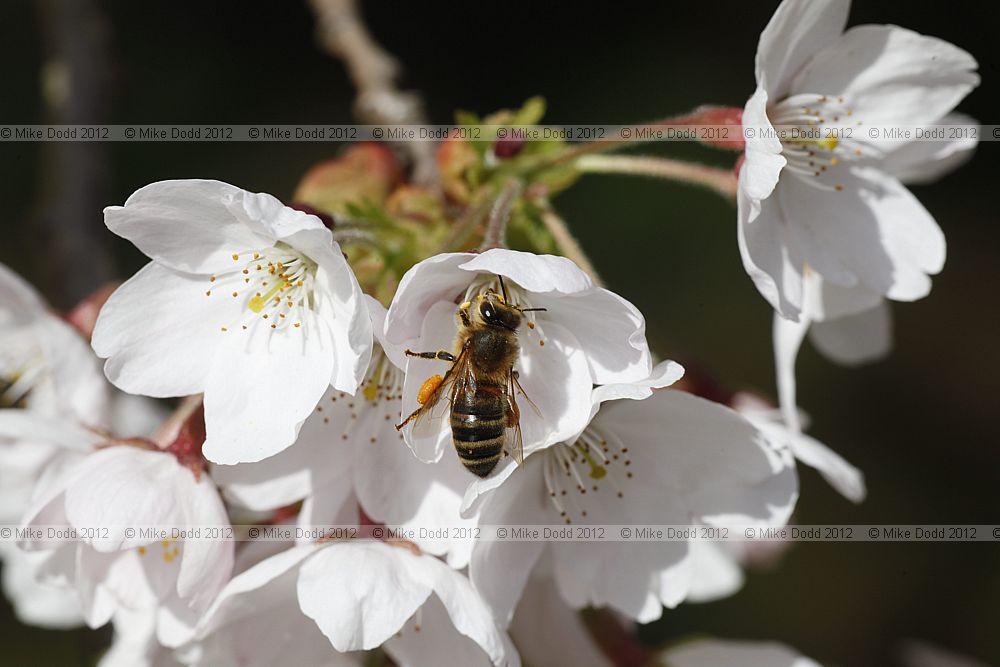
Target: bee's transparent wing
[517, 385]
[514, 438]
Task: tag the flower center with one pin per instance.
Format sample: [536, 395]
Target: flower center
[817, 133]
[169, 550]
[276, 285]
[374, 410]
[578, 474]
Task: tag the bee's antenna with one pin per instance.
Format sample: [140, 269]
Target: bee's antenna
[531, 310]
[503, 289]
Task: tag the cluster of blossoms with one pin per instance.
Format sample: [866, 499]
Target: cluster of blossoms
[287, 332]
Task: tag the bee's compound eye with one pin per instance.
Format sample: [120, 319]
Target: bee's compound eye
[487, 312]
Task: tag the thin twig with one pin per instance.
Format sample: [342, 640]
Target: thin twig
[722, 181]
[629, 136]
[568, 244]
[496, 225]
[374, 71]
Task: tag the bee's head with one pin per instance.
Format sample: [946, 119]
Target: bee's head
[493, 310]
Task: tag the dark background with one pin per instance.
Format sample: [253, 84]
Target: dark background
[922, 424]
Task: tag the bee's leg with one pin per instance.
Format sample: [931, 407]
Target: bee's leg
[413, 415]
[440, 354]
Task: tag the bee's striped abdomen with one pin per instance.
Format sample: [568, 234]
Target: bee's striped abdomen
[478, 421]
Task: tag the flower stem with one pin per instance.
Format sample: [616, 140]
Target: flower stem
[568, 244]
[722, 181]
[706, 115]
[496, 225]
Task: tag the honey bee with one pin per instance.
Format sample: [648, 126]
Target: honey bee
[480, 384]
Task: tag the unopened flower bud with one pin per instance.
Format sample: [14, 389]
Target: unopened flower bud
[83, 316]
[365, 172]
[508, 147]
[724, 127]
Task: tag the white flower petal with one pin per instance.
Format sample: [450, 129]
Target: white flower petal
[280, 379]
[874, 226]
[206, 564]
[257, 622]
[841, 475]
[319, 457]
[235, 602]
[923, 162]
[889, 75]
[663, 375]
[430, 436]
[763, 160]
[728, 653]
[194, 225]
[548, 632]
[798, 29]
[826, 301]
[556, 377]
[519, 502]
[19, 424]
[429, 638]
[123, 486]
[711, 456]
[467, 610]
[480, 488]
[609, 330]
[855, 339]
[181, 331]
[81, 390]
[342, 306]
[715, 573]
[541, 274]
[35, 602]
[396, 488]
[360, 594]
[435, 279]
[765, 254]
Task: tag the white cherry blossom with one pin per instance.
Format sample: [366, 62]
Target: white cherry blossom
[845, 478]
[360, 595]
[123, 486]
[669, 459]
[547, 631]
[585, 336]
[47, 371]
[831, 202]
[45, 366]
[246, 300]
